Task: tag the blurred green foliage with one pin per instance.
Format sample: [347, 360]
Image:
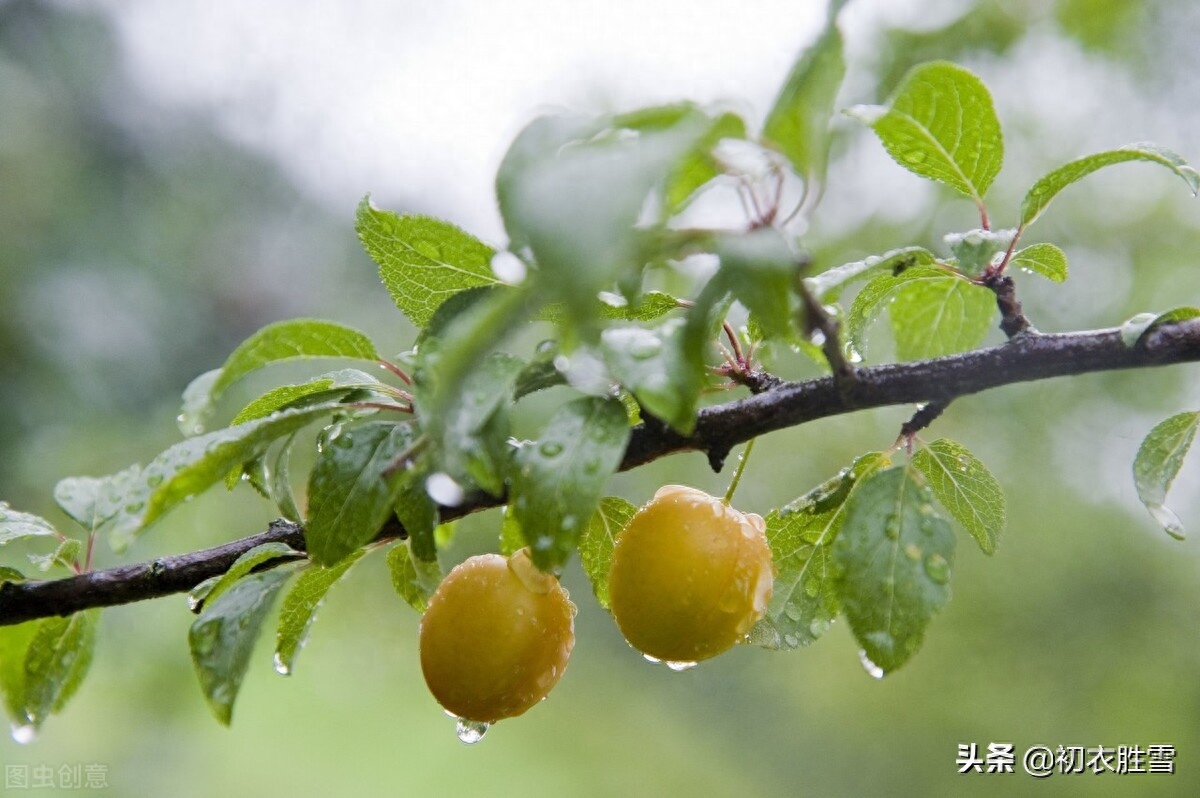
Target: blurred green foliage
[137, 248]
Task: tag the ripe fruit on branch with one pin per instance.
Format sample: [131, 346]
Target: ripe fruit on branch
[496, 637]
[690, 575]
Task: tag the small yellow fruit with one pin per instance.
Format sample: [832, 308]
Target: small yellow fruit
[690, 575]
[496, 637]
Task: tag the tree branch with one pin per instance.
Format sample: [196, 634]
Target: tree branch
[718, 428]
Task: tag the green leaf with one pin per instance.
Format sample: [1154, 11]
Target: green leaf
[16, 525]
[612, 307]
[557, 482]
[57, 661]
[572, 190]
[193, 465]
[328, 387]
[1158, 461]
[285, 340]
[828, 284]
[1045, 259]
[941, 125]
[1135, 329]
[14, 644]
[92, 502]
[350, 493]
[8, 574]
[801, 534]
[540, 372]
[423, 261]
[940, 316]
[471, 445]
[223, 637]
[798, 122]
[596, 546]
[966, 488]
[299, 609]
[414, 579]
[760, 270]
[1048, 187]
[976, 250]
[417, 513]
[65, 555]
[934, 312]
[698, 167]
[652, 364]
[512, 539]
[895, 553]
[208, 592]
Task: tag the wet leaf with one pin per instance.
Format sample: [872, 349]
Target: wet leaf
[965, 488]
[1157, 463]
[895, 554]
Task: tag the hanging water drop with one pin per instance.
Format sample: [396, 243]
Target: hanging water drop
[679, 667]
[281, 667]
[651, 660]
[24, 735]
[873, 670]
[470, 731]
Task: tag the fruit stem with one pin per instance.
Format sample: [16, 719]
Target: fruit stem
[741, 467]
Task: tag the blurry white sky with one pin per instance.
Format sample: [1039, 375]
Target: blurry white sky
[404, 98]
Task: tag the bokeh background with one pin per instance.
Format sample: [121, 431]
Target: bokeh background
[175, 174]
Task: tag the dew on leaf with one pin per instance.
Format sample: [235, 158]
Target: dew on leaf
[913, 552]
[791, 641]
[937, 569]
[892, 530]
[793, 612]
[650, 659]
[154, 480]
[915, 156]
[551, 449]
[281, 667]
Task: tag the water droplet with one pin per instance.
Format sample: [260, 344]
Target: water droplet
[281, 667]
[791, 641]
[915, 156]
[650, 659]
[546, 347]
[134, 507]
[442, 488]
[591, 466]
[24, 735]
[194, 602]
[937, 569]
[913, 552]
[551, 449]
[509, 268]
[470, 731]
[793, 612]
[819, 627]
[817, 338]
[873, 670]
[811, 588]
[154, 480]
[679, 667]
[892, 530]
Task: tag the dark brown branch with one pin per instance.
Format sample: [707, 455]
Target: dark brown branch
[718, 428]
[1013, 321]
